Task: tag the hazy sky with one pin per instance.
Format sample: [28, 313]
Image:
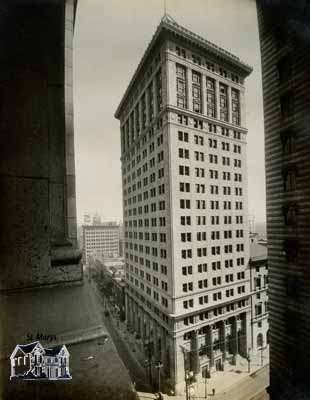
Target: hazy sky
[110, 39]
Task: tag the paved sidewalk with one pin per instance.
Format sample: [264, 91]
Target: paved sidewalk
[221, 381]
[249, 387]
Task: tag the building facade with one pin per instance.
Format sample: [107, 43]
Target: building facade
[183, 143]
[101, 241]
[284, 41]
[259, 300]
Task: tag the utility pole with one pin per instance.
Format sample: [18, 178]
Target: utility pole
[206, 376]
[249, 361]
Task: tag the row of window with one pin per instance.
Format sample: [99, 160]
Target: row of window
[212, 313]
[211, 66]
[184, 170]
[154, 265]
[214, 204]
[184, 136]
[215, 235]
[201, 220]
[215, 297]
[203, 283]
[213, 158]
[215, 250]
[211, 96]
[142, 114]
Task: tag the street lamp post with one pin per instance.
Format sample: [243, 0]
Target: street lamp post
[188, 378]
[206, 375]
[262, 357]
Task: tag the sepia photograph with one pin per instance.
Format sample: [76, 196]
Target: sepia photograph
[155, 199]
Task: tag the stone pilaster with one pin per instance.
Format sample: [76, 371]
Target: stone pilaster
[222, 337]
[229, 104]
[210, 352]
[195, 365]
[217, 99]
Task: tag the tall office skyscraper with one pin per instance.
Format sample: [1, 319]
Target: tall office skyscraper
[183, 141]
[285, 45]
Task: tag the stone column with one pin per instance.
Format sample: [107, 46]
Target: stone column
[210, 346]
[222, 337]
[234, 328]
[242, 107]
[195, 365]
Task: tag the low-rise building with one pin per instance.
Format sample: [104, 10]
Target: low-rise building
[258, 266]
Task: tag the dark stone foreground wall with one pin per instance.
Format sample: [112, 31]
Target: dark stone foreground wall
[37, 174]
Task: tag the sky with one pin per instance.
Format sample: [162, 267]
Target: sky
[110, 39]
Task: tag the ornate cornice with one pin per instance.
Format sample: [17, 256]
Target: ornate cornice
[168, 24]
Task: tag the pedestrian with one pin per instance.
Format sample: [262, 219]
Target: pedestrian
[213, 392]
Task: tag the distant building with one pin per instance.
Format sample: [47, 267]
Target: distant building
[259, 301]
[101, 241]
[285, 51]
[87, 219]
[96, 219]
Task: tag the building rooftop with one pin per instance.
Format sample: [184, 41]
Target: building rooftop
[168, 24]
[258, 251]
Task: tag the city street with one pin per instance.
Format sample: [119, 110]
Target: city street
[135, 370]
[248, 388]
[229, 385]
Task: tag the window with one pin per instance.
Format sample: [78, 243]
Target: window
[223, 103]
[196, 59]
[235, 106]
[289, 176]
[185, 220]
[213, 143]
[184, 153]
[196, 91]
[181, 86]
[284, 69]
[211, 105]
[290, 214]
[183, 170]
[183, 136]
[287, 105]
[198, 140]
[288, 139]
[184, 187]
